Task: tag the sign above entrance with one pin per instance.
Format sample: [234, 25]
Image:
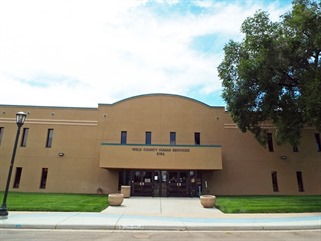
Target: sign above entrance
[161, 157]
[160, 151]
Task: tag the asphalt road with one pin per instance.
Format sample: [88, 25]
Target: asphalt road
[62, 235]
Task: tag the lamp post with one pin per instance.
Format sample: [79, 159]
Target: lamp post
[20, 119]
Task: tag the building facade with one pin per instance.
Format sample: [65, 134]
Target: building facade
[159, 144]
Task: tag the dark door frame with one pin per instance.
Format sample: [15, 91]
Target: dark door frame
[163, 183]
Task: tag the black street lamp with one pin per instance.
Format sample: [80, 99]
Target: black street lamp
[20, 120]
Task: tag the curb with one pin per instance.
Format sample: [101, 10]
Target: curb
[164, 228]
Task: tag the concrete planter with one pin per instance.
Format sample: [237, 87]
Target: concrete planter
[125, 190]
[207, 201]
[115, 199]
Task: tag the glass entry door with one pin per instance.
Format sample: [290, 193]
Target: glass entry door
[160, 183]
[177, 184]
[164, 183]
[142, 183]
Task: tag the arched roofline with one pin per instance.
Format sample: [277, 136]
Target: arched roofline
[160, 95]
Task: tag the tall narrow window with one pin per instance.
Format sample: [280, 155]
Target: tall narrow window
[148, 138]
[270, 142]
[275, 182]
[317, 141]
[24, 137]
[295, 149]
[1, 133]
[17, 177]
[300, 181]
[49, 138]
[197, 138]
[123, 137]
[172, 138]
[44, 175]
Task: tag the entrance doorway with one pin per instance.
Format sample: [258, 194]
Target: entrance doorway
[162, 183]
[142, 183]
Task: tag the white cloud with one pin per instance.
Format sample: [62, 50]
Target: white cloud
[82, 52]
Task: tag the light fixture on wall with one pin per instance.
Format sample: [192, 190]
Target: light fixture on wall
[283, 157]
[61, 154]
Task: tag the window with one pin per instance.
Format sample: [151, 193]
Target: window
[24, 137]
[275, 182]
[300, 181]
[49, 138]
[270, 142]
[148, 138]
[123, 137]
[172, 137]
[317, 141]
[44, 175]
[1, 133]
[295, 149]
[17, 177]
[197, 138]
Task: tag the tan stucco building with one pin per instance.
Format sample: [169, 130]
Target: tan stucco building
[159, 144]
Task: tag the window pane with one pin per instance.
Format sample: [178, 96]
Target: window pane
[173, 138]
[49, 138]
[123, 137]
[44, 175]
[24, 137]
[17, 177]
[197, 137]
[317, 141]
[275, 182]
[1, 134]
[148, 138]
[270, 142]
[300, 181]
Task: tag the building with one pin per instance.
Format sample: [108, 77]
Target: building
[159, 144]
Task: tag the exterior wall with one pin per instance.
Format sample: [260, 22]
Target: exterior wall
[160, 114]
[77, 171]
[78, 134]
[247, 166]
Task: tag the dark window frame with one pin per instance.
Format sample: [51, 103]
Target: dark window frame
[1, 134]
[49, 139]
[317, 141]
[270, 142]
[123, 137]
[172, 138]
[24, 137]
[197, 138]
[299, 179]
[17, 177]
[148, 137]
[44, 177]
[275, 184]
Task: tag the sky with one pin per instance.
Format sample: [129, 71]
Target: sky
[78, 53]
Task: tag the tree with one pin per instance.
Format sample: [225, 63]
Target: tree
[274, 74]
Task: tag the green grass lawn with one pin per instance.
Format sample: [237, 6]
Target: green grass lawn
[268, 204]
[55, 202]
[96, 203]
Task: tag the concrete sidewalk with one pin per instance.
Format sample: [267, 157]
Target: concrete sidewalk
[161, 214]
